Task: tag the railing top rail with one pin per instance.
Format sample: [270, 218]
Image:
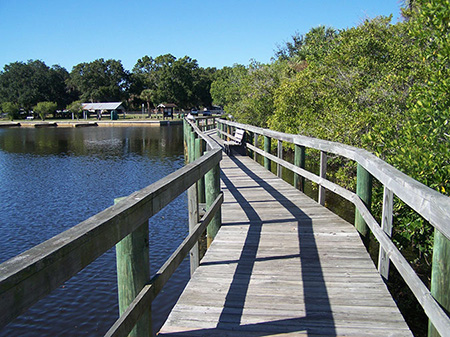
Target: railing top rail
[430, 204]
[212, 145]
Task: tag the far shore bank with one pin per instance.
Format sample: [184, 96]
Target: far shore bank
[85, 123]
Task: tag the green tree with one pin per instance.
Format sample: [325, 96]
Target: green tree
[11, 109]
[225, 89]
[180, 81]
[314, 45]
[44, 108]
[99, 81]
[29, 83]
[146, 96]
[76, 108]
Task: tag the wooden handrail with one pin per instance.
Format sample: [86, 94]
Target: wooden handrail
[427, 202]
[32, 275]
[430, 204]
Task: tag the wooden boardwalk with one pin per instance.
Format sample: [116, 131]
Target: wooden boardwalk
[282, 265]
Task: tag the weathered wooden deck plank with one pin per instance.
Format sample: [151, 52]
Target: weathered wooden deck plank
[282, 265]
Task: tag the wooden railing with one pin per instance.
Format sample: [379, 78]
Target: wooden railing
[32, 275]
[431, 205]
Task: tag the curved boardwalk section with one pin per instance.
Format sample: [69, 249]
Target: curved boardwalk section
[282, 265]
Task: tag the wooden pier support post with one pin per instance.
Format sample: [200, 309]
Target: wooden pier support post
[212, 188]
[185, 140]
[133, 273]
[267, 144]
[279, 155]
[255, 143]
[222, 128]
[249, 139]
[194, 151]
[299, 160]
[200, 148]
[440, 275]
[364, 191]
[386, 225]
[323, 174]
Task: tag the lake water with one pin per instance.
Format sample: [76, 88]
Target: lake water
[51, 180]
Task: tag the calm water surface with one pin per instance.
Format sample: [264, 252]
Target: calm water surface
[52, 179]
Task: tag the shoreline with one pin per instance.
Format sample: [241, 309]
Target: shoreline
[84, 123]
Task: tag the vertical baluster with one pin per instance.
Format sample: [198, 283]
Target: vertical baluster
[267, 144]
[255, 143]
[440, 275]
[279, 155]
[133, 273]
[386, 225]
[299, 160]
[364, 191]
[212, 188]
[323, 174]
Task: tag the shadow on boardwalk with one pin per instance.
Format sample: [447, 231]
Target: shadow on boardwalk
[316, 318]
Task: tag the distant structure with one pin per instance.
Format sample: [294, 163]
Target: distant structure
[113, 108]
[167, 109]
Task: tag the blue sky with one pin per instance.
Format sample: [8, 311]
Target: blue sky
[215, 33]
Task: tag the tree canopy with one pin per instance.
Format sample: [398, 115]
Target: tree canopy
[99, 81]
[26, 84]
[171, 80]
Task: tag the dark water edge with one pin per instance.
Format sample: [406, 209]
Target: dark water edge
[52, 179]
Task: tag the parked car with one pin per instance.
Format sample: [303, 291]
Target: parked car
[194, 112]
[206, 112]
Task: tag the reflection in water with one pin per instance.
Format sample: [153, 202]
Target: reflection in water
[52, 179]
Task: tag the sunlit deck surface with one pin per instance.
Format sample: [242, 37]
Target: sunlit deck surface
[282, 265]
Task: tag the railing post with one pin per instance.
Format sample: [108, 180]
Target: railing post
[364, 191]
[199, 150]
[194, 193]
[212, 188]
[186, 140]
[222, 128]
[279, 155]
[133, 273]
[323, 174]
[255, 143]
[267, 144]
[249, 139]
[194, 254]
[386, 225]
[440, 275]
[299, 160]
[191, 147]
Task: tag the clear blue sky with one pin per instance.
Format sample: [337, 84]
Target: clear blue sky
[215, 33]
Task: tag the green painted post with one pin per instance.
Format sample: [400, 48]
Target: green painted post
[249, 140]
[364, 191]
[220, 126]
[133, 273]
[200, 147]
[440, 275]
[192, 136]
[185, 138]
[255, 143]
[267, 144]
[299, 160]
[212, 187]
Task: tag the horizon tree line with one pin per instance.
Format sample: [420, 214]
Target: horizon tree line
[164, 79]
